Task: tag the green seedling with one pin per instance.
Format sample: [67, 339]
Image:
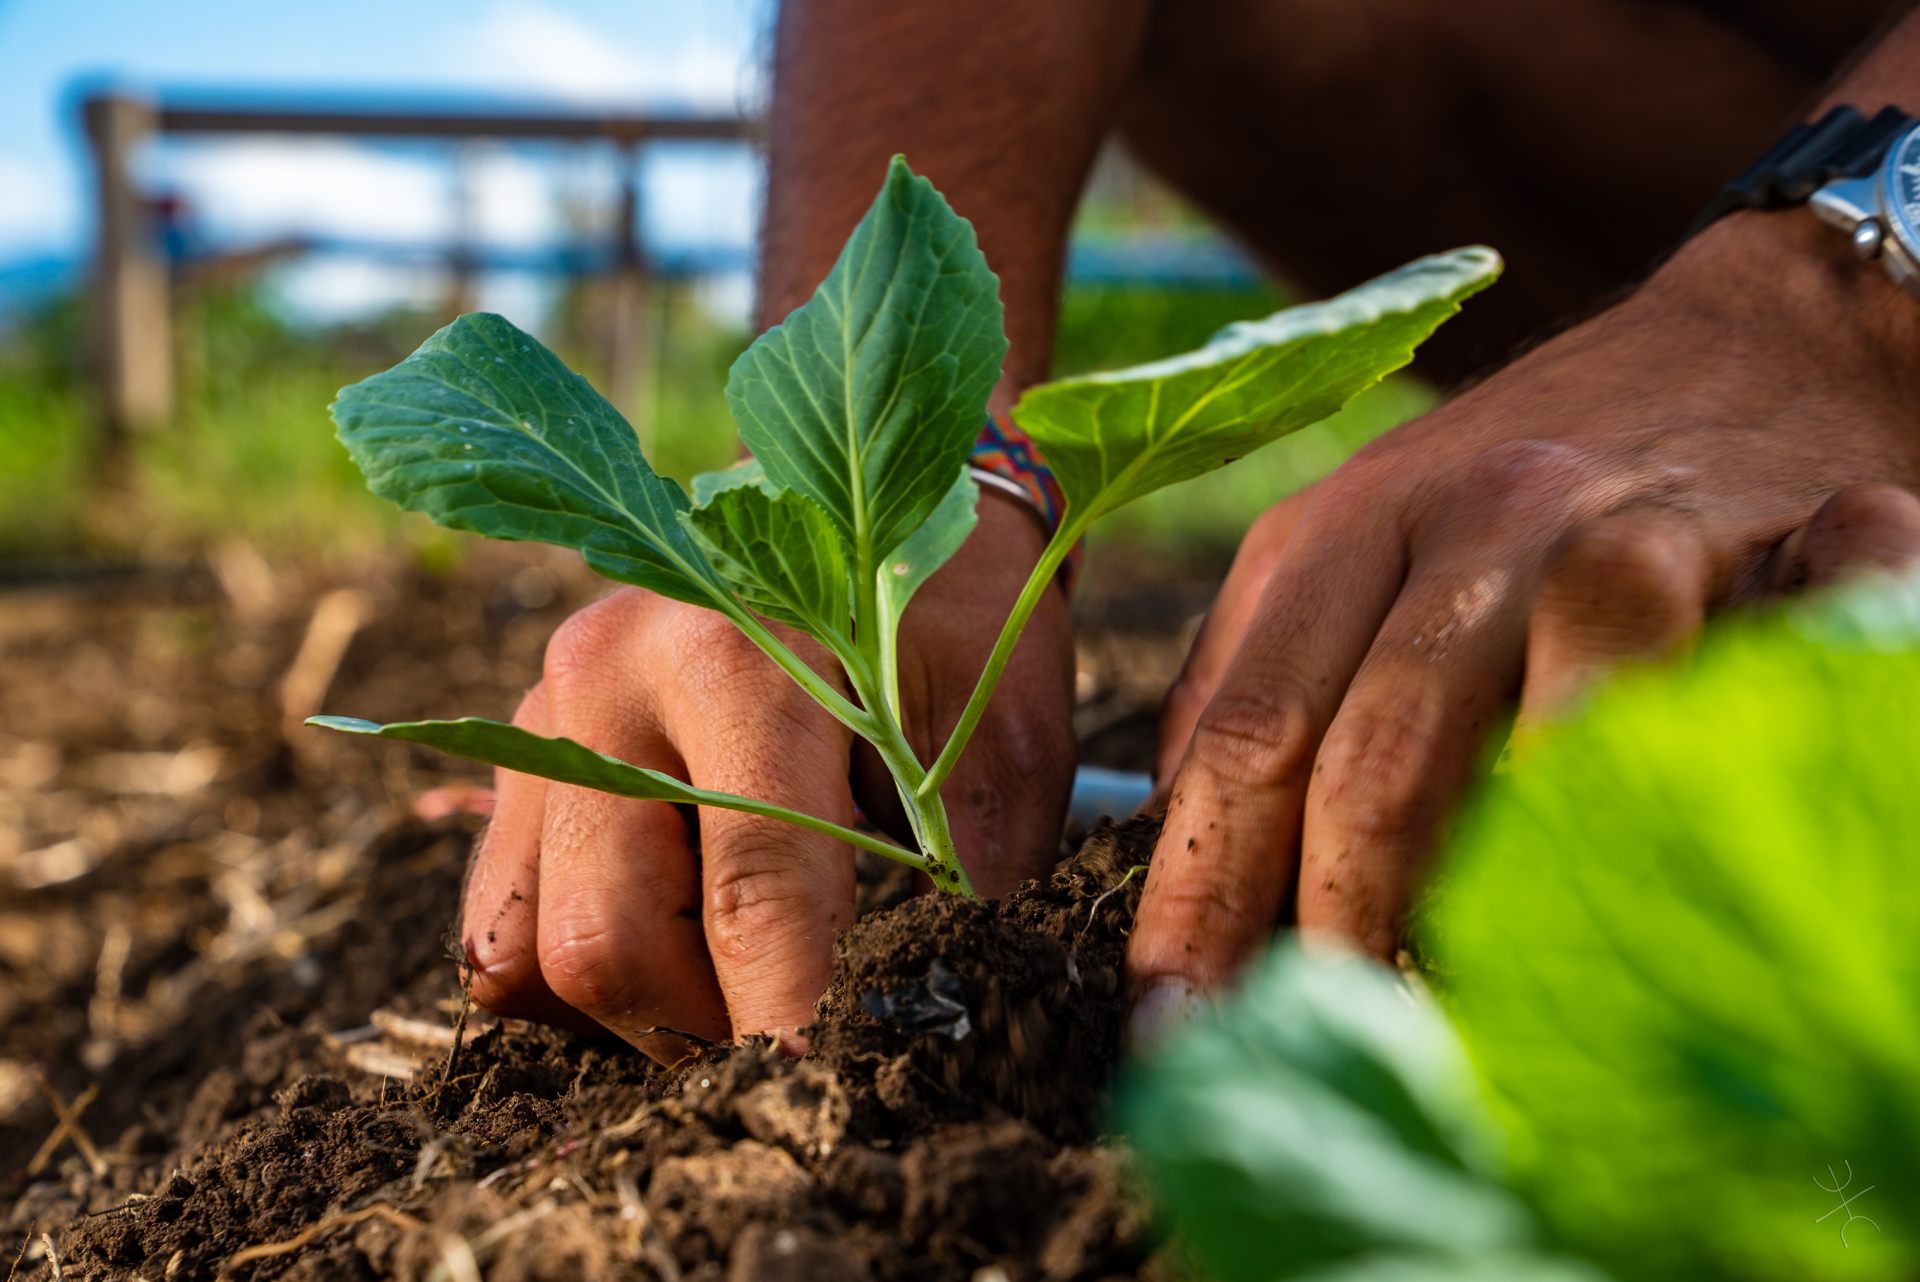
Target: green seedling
[860, 410]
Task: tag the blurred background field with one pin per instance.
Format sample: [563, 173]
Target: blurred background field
[250, 452]
[291, 265]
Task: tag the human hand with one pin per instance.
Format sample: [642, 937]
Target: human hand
[593, 911]
[1741, 423]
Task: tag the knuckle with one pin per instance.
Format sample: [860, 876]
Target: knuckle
[1379, 766]
[1024, 751]
[1874, 506]
[709, 629]
[1202, 907]
[756, 896]
[1524, 476]
[502, 973]
[1619, 577]
[1530, 463]
[1354, 488]
[717, 657]
[589, 639]
[1270, 531]
[587, 968]
[1250, 739]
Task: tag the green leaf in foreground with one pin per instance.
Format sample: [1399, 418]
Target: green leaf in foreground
[485, 430]
[868, 397]
[1113, 437]
[780, 554]
[911, 564]
[1681, 939]
[565, 761]
[1321, 1115]
[1516, 1267]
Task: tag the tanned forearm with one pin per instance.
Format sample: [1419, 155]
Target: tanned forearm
[1002, 103]
[1886, 74]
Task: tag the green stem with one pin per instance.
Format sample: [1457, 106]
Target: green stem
[855, 719]
[936, 843]
[1039, 583]
[853, 837]
[925, 812]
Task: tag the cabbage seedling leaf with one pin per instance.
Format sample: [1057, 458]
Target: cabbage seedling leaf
[928, 548]
[1113, 437]
[485, 430]
[499, 744]
[566, 761]
[910, 565]
[1525, 1266]
[1320, 1115]
[868, 397]
[746, 472]
[778, 552]
[1680, 936]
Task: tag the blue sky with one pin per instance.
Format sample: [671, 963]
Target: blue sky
[584, 54]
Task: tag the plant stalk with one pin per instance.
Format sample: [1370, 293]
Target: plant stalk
[1038, 583]
[853, 837]
[926, 812]
[855, 719]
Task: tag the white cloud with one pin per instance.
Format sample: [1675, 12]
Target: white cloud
[528, 46]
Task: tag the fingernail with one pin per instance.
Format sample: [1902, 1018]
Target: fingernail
[1162, 1006]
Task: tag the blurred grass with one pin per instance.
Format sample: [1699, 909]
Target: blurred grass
[251, 454]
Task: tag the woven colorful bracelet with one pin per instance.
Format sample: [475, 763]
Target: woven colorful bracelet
[1005, 460]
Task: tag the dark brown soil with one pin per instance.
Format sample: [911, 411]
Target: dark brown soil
[210, 934]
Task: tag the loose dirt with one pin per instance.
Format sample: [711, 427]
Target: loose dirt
[223, 956]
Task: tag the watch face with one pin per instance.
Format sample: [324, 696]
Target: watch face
[1902, 190]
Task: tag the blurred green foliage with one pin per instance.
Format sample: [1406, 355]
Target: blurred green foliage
[1318, 1118]
[1677, 940]
[1680, 937]
[251, 453]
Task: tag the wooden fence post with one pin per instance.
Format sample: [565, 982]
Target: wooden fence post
[133, 347]
[629, 333]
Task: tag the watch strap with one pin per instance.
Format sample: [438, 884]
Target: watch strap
[1844, 143]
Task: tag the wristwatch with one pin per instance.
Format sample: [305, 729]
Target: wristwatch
[1859, 174]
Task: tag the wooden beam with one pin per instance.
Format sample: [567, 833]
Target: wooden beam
[177, 116]
[133, 343]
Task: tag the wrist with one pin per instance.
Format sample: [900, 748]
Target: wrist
[1791, 278]
[1006, 531]
[1006, 465]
